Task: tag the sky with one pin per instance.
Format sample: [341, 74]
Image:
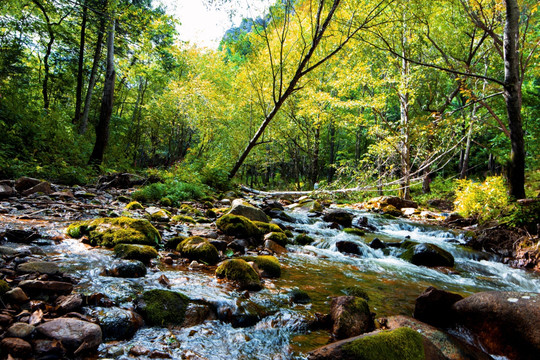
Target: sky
[204, 22]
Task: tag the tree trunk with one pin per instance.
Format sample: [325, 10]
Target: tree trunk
[404, 191]
[331, 150]
[315, 162]
[83, 124]
[80, 77]
[512, 96]
[45, 85]
[466, 153]
[102, 128]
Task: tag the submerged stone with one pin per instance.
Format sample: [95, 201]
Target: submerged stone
[303, 239]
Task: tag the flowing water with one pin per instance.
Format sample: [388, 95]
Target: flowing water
[319, 269]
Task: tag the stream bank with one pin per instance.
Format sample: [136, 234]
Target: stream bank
[287, 318]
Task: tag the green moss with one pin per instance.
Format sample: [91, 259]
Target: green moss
[160, 215]
[183, 218]
[354, 231]
[4, 287]
[315, 206]
[267, 263]
[188, 209]
[142, 253]
[210, 213]
[278, 237]
[134, 205]
[238, 226]
[166, 201]
[239, 270]
[172, 243]
[399, 344]
[109, 232]
[267, 227]
[356, 291]
[163, 307]
[200, 249]
[288, 233]
[391, 210]
[303, 239]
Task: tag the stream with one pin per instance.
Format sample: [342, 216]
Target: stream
[391, 283]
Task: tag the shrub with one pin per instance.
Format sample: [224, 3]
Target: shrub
[484, 201]
[173, 190]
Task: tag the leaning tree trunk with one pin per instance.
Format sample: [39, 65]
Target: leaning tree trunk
[512, 96]
[102, 128]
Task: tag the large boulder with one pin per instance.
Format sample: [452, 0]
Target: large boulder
[199, 249]
[339, 216]
[450, 346]
[434, 307]
[504, 323]
[426, 254]
[350, 317]
[76, 336]
[399, 344]
[243, 208]
[109, 232]
[162, 307]
[241, 272]
[238, 226]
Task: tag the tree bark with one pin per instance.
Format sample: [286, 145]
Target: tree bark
[331, 151]
[83, 124]
[80, 77]
[102, 128]
[45, 85]
[512, 96]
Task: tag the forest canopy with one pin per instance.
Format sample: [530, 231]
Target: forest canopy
[385, 94]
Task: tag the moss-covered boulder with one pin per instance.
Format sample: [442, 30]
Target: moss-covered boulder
[156, 214]
[278, 237]
[303, 239]
[268, 264]
[243, 208]
[134, 205]
[267, 227]
[109, 232]
[398, 344]
[172, 243]
[350, 317]
[238, 226]
[354, 231]
[142, 253]
[162, 307]
[200, 249]
[426, 254]
[183, 219]
[241, 272]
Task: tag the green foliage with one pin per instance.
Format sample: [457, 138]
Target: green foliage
[399, 344]
[484, 201]
[175, 191]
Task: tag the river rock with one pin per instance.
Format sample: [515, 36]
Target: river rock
[42, 267]
[426, 254]
[384, 201]
[350, 317]
[46, 287]
[197, 313]
[20, 330]
[20, 236]
[43, 187]
[504, 323]
[69, 303]
[450, 346]
[49, 349]
[338, 216]
[127, 269]
[16, 296]
[199, 249]
[274, 247]
[143, 253]
[238, 226]
[162, 307]
[116, 323]
[243, 208]
[403, 344]
[6, 191]
[348, 247]
[434, 307]
[16, 347]
[76, 336]
[240, 272]
[25, 183]
[377, 244]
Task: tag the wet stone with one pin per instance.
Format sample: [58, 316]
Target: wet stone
[15, 346]
[20, 236]
[16, 295]
[50, 349]
[20, 330]
[46, 287]
[69, 303]
[75, 335]
[116, 323]
[42, 267]
[127, 269]
[139, 350]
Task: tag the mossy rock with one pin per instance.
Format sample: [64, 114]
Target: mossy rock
[238, 226]
[157, 214]
[166, 201]
[288, 233]
[399, 344]
[298, 296]
[163, 307]
[354, 231]
[109, 232]
[142, 253]
[391, 210]
[183, 218]
[350, 317]
[314, 207]
[200, 249]
[188, 209]
[356, 291]
[267, 263]
[210, 213]
[134, 205]
[4, 287]
[303, 239]
[278, 237]
[172, 243]
[267, 227]
[426, 254]
[238, 270]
